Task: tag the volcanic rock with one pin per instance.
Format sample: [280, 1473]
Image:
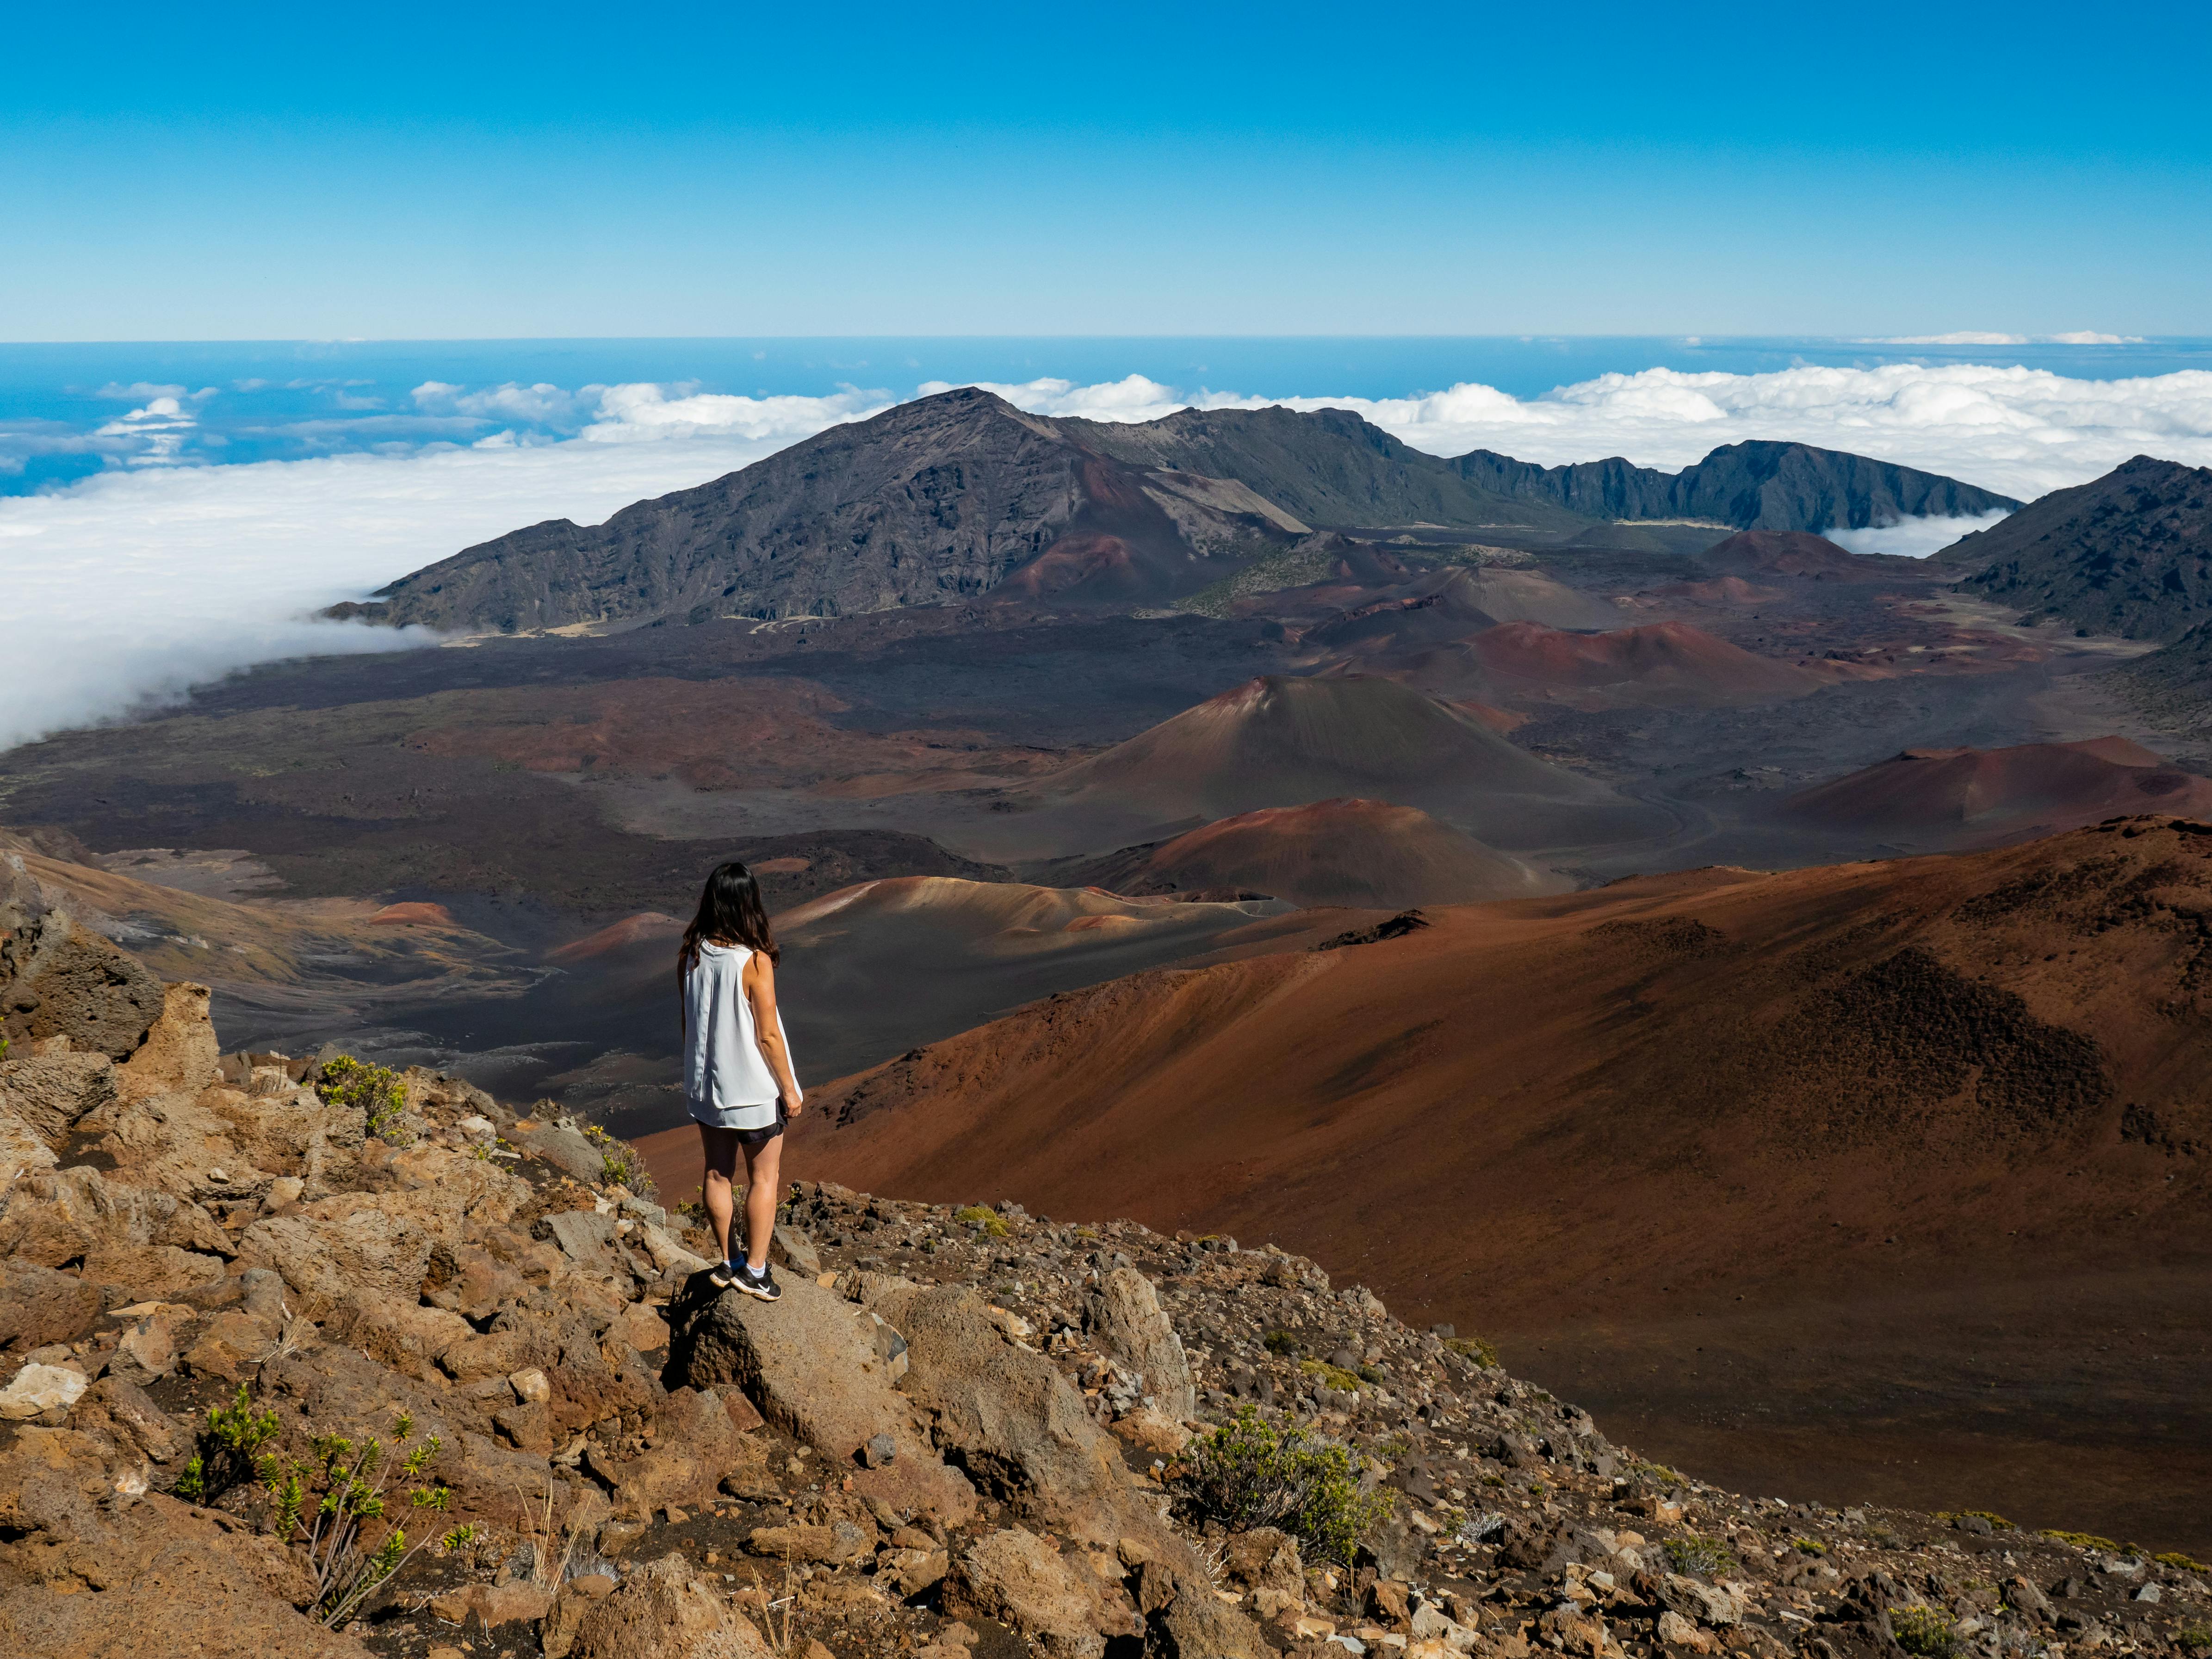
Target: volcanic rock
[2129, 553]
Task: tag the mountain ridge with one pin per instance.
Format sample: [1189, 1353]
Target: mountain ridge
[961, 495]
[1757, 485]
[2129, 553]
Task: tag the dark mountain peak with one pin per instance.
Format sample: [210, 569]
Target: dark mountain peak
[2129, 553]
[1758, 483]
[947, 497]
[1326, 466]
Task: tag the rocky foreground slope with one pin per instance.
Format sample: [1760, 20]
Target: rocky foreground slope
[962, 1433]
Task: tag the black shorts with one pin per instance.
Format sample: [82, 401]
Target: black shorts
[756, 1139]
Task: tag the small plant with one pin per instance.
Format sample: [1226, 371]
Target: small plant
[2083, 1541]
[1248, 1473]
[326, 1505]
[2186, 1564]
[2197, 1637]
[230, 1453]
[982, 1216]
[1810, 1546]
[1657, 1473]
[1925, 1632]
[1692, 1552]
[1279, 1342]
[379, 1091]
[624, 1166]
[1474, 1348]
[1335, 1377]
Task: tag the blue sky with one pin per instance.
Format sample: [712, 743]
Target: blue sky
[403, 172]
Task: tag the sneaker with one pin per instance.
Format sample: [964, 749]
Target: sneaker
[762, 1284]
[723, 1274]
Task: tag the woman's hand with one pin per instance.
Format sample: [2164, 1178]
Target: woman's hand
[792, 1108]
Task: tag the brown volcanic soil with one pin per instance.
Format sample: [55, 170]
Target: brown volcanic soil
[741, 733]
[1461, 603]
[1278, 741]
[1896, 1092]
[1968, 795]
[1332, 852]
[1797, 553]
[1660, 663]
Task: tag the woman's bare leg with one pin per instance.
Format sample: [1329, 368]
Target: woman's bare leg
[719, 1149]
[764, 1177]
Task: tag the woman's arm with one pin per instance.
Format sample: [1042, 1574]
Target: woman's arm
[759, 981]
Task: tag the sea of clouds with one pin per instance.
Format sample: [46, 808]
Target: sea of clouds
[132, 586]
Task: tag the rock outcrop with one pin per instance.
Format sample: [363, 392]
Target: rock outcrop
[58, 978]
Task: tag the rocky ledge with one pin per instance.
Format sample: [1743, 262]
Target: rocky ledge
[300, 1357]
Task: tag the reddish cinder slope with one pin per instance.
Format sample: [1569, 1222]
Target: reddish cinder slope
[1982, 794]
[1667, 662]
[1873, 1039]
[1334, 851]
[646, 925]
[1905, 1133]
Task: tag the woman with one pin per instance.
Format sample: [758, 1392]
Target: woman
[737, 1066]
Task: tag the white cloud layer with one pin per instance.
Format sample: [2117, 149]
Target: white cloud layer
[1915, 538]
[136, 585]
[2022, 431]
[132, 587]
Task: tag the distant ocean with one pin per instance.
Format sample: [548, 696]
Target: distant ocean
[173, 513]
[66, 411]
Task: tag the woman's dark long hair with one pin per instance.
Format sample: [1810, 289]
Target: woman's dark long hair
[730, 912]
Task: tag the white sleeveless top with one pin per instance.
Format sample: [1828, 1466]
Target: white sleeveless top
[726, 1081]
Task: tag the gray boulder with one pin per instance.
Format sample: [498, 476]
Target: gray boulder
[58, 978]
[1008, 1418]
[1125, 1318]
[1184, 1619]
[39, 1305]
[810, 1363]
[1061, 1605]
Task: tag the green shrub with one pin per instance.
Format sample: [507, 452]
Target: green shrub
[1810, 1546]
[2197, 1636]
[378, 1091]
[2184, 1562]
[1248, 1473]
[979, 1215]
[228, 1453]
[1334, 1376]
[1474, 1348]
[624, 1168]
[1692, 1552]
[1280, 1342]
[327, 1506]
[2082, 1541]
[1925, 1632]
